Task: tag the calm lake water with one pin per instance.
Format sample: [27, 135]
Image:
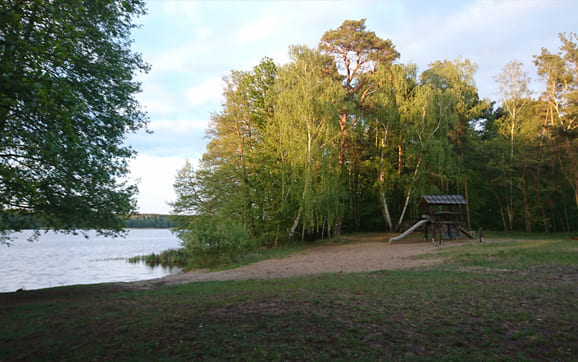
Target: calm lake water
[60, 259]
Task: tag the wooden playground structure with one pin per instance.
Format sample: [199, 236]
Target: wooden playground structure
[443, 214]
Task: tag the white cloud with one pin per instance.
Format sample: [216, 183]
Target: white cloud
[178, 10]
[259, 29]
[158, 100]
[179, 126]
[209, 91]
[185, 58]
[181, 138]
[155, 177]
[489, 33]
[281, 57]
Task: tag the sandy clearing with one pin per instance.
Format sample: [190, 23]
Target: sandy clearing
[347, 258]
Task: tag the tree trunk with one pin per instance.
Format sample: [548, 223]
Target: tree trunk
[510, 211]
[467, 202]
[501, 210]
[385, 209]
[381, 179]
[539, 200]
[343, 143]
[337, 226]
[527, 219]
[408, 195]
[341, 160]
[464, 172]
[244, 178]
[566, 220]
[294, 227]
[276, 241]
[399, 156]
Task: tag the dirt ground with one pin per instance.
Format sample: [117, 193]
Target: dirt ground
[373, 253]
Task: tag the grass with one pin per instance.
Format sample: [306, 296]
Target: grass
[504, 300]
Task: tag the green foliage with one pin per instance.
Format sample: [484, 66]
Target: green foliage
[305, 121]
[168, 258]
[66, 103]
[359, 55]
[183, 259]
[237, 177]
[210, 241]
[342, 139]
[561, 107]
[149, 221]
[357, 50]
[20, 220]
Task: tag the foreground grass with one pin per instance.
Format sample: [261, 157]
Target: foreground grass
[508, 300]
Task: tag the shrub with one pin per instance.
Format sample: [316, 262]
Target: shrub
[168, 258]
[211, 241]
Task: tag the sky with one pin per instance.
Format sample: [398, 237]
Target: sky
[192, 44]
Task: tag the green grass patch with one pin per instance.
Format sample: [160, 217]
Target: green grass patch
[496, 301]
[523, 236]
[509, 253]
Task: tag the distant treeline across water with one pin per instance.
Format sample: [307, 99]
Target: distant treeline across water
[139, 221]
[149, 221]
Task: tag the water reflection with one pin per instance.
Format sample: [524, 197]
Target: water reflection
[60, 259]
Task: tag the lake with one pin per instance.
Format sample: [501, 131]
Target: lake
[62, 259]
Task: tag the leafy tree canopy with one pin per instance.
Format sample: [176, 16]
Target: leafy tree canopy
[344, 137]
[66, 103]
[357, 49]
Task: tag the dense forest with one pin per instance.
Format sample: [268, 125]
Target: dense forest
[346, 138]
[30, 221]
[156, 221]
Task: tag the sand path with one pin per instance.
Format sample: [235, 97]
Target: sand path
[376, 254]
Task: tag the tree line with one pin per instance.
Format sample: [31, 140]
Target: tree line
[345, 138]
[155, 221]
[29, 221]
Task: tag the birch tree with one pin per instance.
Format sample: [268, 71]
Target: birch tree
[305, 120]
[514, 92]
[228, 183]
[560, 74]
[457, 77]
[358, 54]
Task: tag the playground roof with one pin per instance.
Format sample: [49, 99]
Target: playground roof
[443, 200]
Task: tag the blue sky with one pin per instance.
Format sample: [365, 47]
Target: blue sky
[192, 44]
